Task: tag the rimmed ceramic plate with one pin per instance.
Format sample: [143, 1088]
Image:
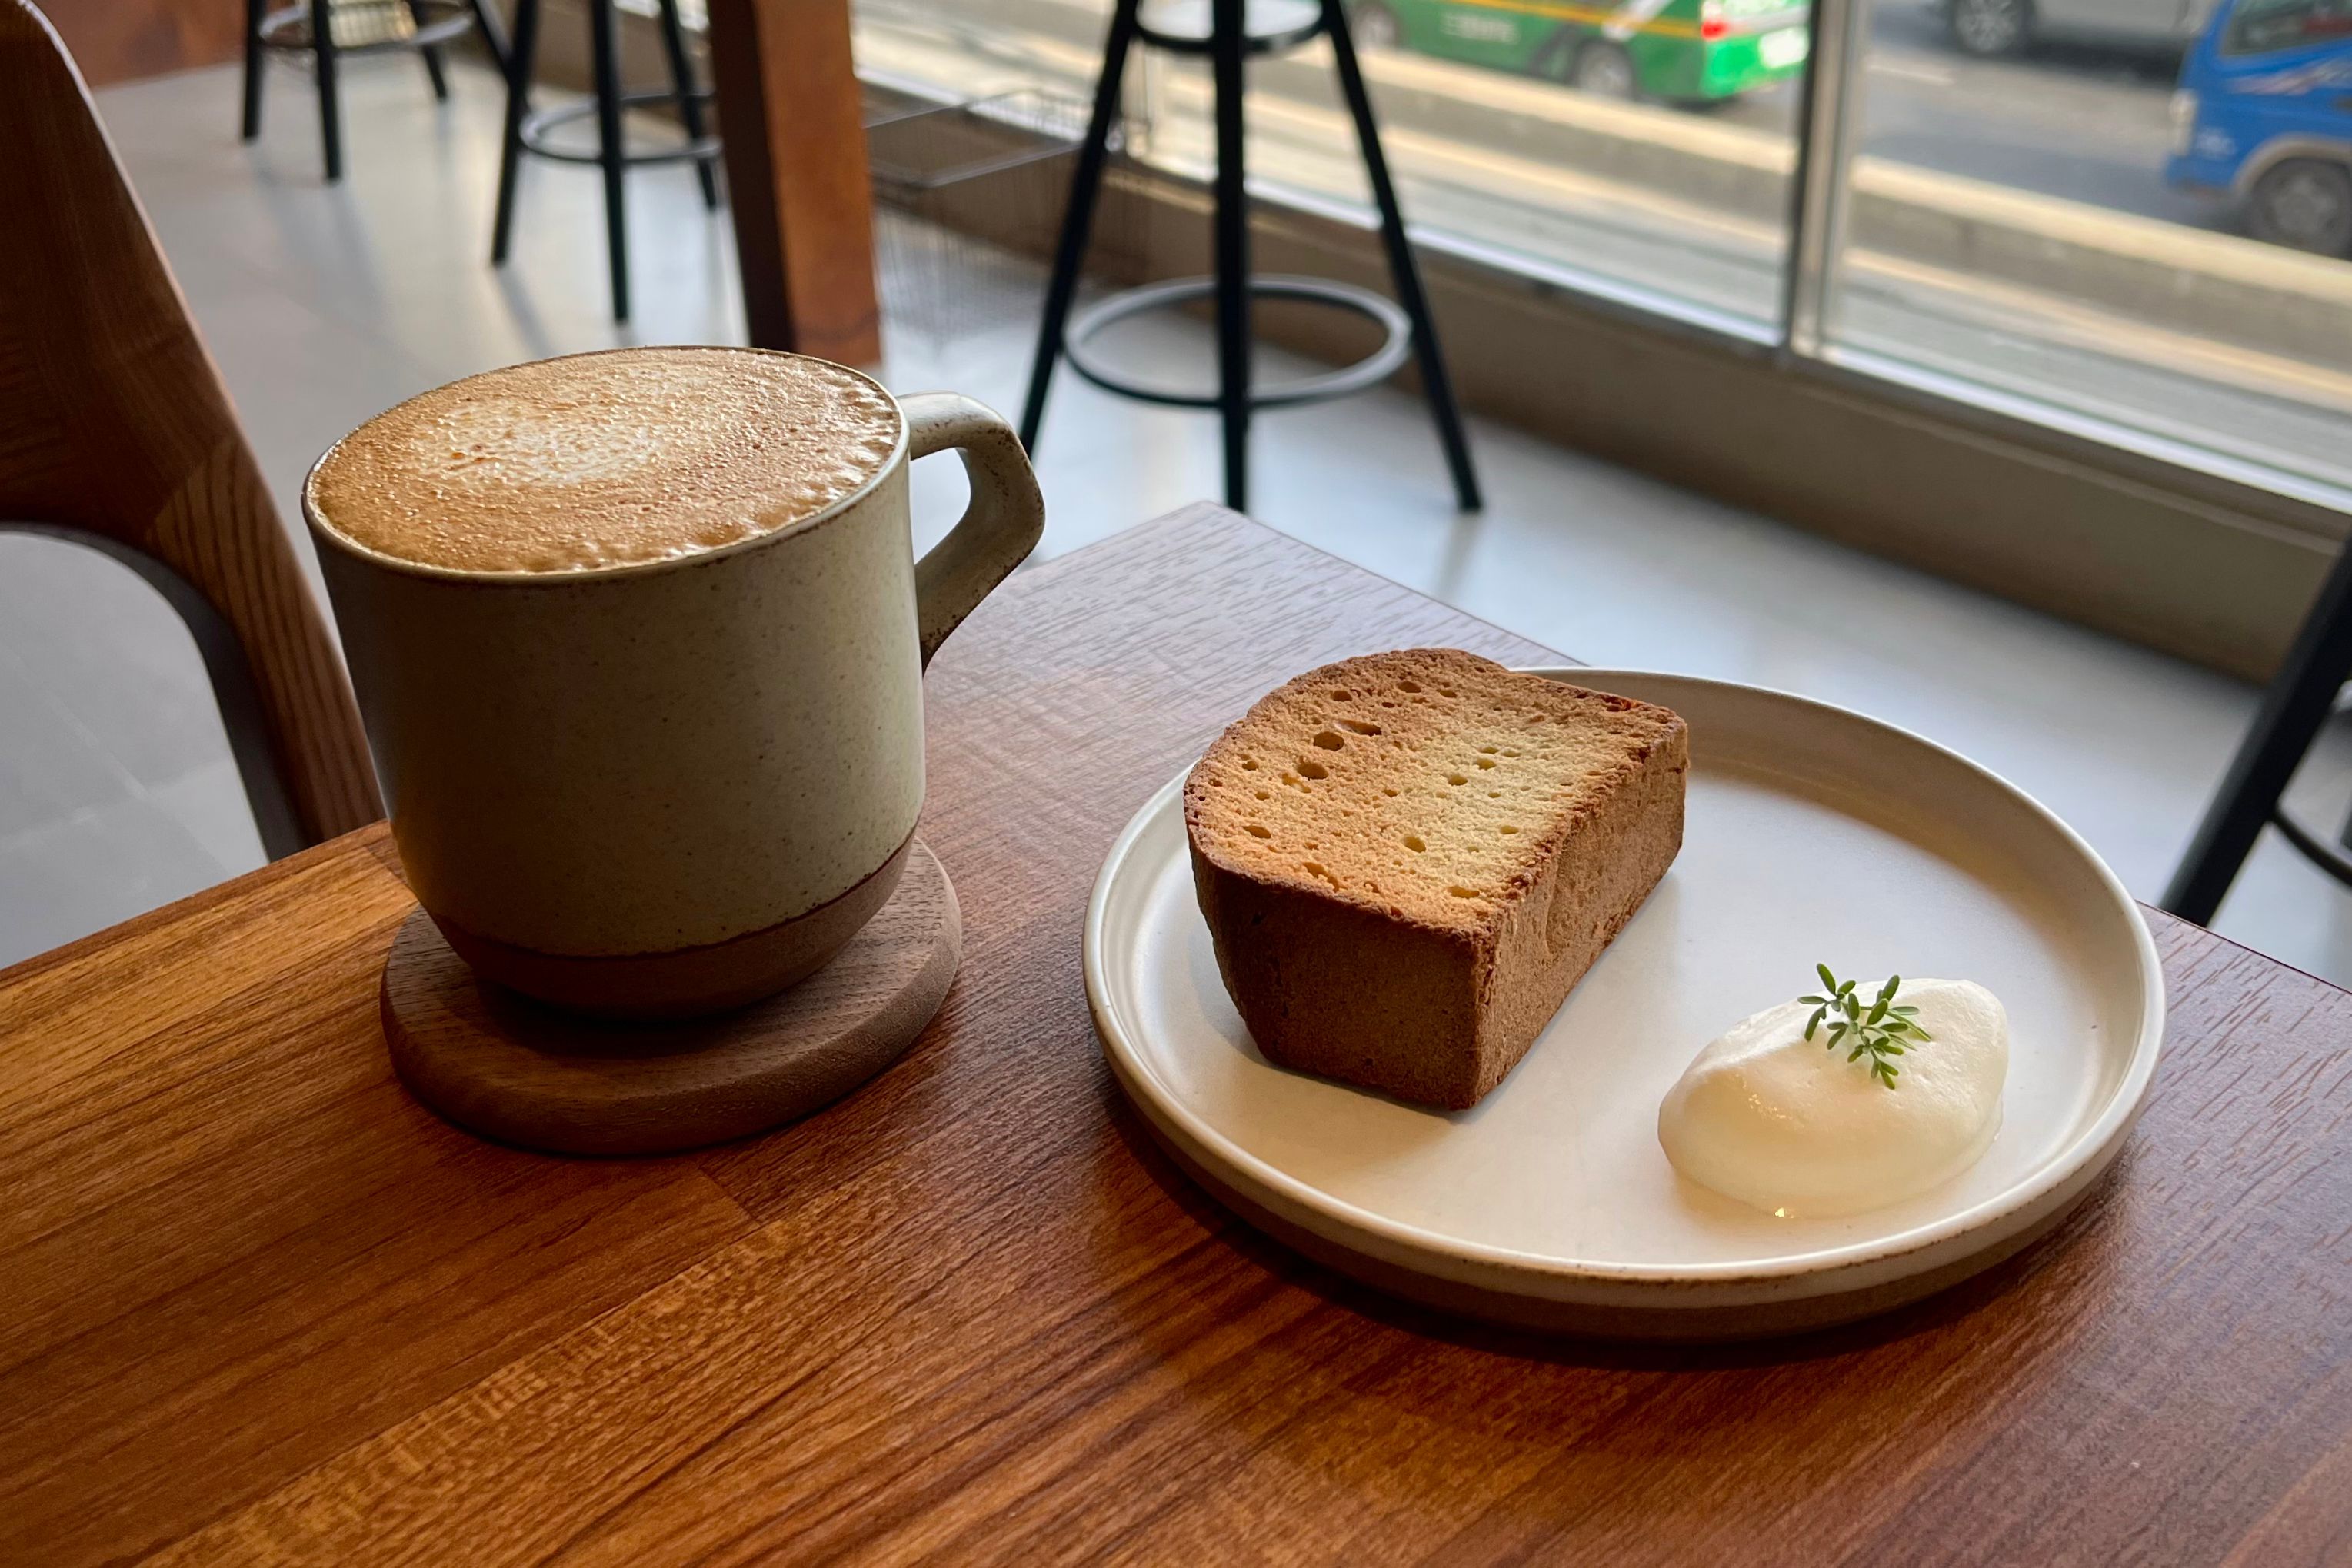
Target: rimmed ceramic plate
[1814, 834]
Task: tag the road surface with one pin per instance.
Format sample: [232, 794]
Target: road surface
[2088, 124]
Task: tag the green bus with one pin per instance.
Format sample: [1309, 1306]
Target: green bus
[1685, 51]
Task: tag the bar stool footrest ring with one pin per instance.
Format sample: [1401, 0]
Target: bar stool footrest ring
[2319, 853]
[539, 122]
[1374, 368]
[374, 28]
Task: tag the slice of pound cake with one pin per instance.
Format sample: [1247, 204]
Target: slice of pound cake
[1408, 860]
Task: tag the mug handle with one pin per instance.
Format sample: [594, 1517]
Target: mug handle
[997, 530]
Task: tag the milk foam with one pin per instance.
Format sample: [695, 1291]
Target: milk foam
[604, 460]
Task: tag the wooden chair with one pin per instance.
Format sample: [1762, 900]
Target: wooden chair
[116, 432]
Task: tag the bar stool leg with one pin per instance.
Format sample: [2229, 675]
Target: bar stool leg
[493, 34]
[520, 57]
[431, 54]
[1077, 220]
[603, 29]
[330, 114]
[253, 62]
[689, 102]
[2298, 702]
[1404, 266]
[1226, 47]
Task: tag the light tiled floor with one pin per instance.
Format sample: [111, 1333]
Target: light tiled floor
[325, 305]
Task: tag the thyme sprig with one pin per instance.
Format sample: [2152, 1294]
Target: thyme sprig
[1881, 1032]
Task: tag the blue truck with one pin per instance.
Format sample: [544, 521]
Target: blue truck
[2264, 120]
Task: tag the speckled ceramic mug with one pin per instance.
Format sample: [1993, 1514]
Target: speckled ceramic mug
[669, 787]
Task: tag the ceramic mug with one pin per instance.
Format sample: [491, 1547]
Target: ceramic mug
[659, 790]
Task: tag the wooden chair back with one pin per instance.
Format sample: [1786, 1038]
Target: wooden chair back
[116, 432]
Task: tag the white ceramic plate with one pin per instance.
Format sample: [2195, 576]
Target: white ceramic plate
[1814, 834]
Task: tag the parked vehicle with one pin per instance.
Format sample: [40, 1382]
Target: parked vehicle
[2008, 26]
[2263, 118]
[1687, 50]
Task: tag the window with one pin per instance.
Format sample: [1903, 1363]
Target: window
[1643, 148]
[2265, 27]
[2087, 205]
[2130, 219]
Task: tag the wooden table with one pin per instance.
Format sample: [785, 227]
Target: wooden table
[255, 1304]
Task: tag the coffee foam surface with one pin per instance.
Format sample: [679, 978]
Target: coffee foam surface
[603, 460]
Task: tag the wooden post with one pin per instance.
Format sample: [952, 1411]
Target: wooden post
[796, 175]
[129, 40]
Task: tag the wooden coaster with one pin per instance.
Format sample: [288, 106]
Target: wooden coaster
[514, 1070]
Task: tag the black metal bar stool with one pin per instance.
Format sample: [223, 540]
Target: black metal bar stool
[358, 27]
[527, 131]
[2299, 700]
[1228, 32]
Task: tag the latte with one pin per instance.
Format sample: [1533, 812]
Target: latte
[606, 460]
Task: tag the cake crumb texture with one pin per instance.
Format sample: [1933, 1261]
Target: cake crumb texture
[1408, 859]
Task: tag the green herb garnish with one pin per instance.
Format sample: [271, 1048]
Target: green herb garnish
[1879, 1030]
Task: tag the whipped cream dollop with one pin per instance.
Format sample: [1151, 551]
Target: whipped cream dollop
[1789, 1126]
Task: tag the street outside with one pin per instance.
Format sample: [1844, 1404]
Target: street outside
[2088, 123]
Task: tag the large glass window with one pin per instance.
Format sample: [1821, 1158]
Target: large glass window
[2133, 217]
[1644, 147]
[2136, 210]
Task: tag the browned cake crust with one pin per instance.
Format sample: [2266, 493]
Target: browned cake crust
[1408, 860]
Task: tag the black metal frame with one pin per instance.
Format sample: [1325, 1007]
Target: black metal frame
[2299, 700]
[527, 131]
[1228, 43]
[231, 673]
[305, 28]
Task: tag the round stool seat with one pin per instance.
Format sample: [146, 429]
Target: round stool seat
[1396, 345]
[1267, 26]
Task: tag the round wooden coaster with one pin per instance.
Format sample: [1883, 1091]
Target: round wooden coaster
[502, 1065]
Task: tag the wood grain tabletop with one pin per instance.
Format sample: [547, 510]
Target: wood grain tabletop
[258, 1306]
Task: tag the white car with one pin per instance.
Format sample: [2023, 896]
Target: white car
[2006, 27]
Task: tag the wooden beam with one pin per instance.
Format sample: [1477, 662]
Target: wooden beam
[126, 40]
[796, 175]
